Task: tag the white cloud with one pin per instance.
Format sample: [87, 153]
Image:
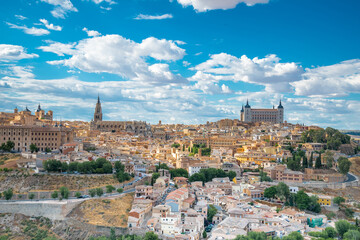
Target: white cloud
[61, 7]
[126, 58]
[268, 71]
[20, 17]
[91, 33]
[153, 17]
[206, 5]
[60, 49]
[101, 1]
[330, 81]
[21, 72]
[50, 26]
[13, 53]
[186, 63]
[32, 31]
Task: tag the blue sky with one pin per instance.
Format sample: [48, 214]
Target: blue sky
[182, 61]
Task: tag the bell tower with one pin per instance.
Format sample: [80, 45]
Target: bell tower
[98, 111]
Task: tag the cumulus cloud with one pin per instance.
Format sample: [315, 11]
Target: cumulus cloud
[268, 71]
[91, 33]
[50, 25]
[10, 52]
[206, 5]
[61, 7]
[330, 81]
[101, 1]
[153, 17]
[32, 31]
[124, 57]
[60, 49]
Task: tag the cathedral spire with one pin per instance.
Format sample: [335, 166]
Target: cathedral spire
[280, 105]
[98, 98]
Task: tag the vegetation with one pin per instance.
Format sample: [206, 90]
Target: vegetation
[55, 194]
[301, 200]
[8, 194]
[92, 192]
[262, 236]
[175, 145]
[344, 165]
[78, 194]
[211, 212]
[338, 200]
[263, 177]
[100, 166]
[31, 196]
[64, 192]
[33, 148]
[8, 146]
[120, 174]
[179, 172]
[110, 188]
[204, 150]
[120, 190]
[332, 137]
[207, 175]
[99, 192]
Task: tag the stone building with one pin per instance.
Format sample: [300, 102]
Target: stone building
[43, 137]
[273, 115]
[135, 127]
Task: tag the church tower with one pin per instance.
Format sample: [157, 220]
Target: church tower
[98, 111]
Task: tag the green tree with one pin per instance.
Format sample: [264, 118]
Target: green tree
[64, 192]
[73, 166]
[293, 236]
[270, 192]
[204, 234]
[110, 188]
[8, 194]
[282, 191]
[344, 165]
[154, 176]
[197, 177]
[107, 167]
[211, 212]
[92, 192]
[264, 177]
[31, 196]
[33, 148]
[231, 175]
[78, 194]
[64, 167]
[99, 192]
[318, 162]
[120, 190]
[342, 226]
[313, 205]
[329, 158]
[112, 234]
[311, 160]
[119, 167]
[55, 195]
[179, 172]
[305, 162]
[48, 150]
[338, 200]
[302, 200]
[151, 236]
[352, 235]
[175, 145]
[330, 232]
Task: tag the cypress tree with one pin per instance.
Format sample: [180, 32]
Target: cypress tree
[318, 162]
[311, 162]
[305, 162]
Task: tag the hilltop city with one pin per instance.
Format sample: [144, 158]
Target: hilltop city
[255, 177]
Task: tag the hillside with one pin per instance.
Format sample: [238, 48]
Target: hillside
[23, 182]
[104, 212]
[355, 166]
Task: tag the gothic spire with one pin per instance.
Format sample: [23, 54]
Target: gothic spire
[98, 98]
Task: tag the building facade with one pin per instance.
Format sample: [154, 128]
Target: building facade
[274, 115]
[43, 137]
[135, 127]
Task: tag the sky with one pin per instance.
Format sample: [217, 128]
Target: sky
[182, 61]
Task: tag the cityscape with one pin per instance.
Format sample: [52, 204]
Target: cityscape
[179, 119]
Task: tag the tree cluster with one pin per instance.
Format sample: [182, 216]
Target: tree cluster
[8, 146]
[332, 137]
[262, 236]
[343, 229]
[207, 175]
[300, 199]
[204, 150]
[120, 173]
[100, 166]
[148, 236]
